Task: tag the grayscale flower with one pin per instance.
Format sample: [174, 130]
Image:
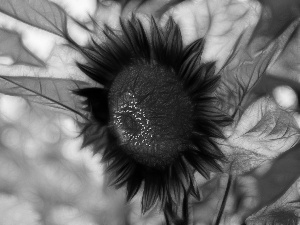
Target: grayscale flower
[189, 93]
[156, 115]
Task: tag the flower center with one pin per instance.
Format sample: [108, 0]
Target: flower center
[150, 113]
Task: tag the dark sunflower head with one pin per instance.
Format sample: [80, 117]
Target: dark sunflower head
[155, 116]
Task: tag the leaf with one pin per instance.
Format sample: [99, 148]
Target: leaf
[264, 129]
[49, 86]
[240, 75]
[242, 160]
[276, 16]
[11, 45]
[287, 65]
[251, 60]
[219, 22]
[55, 94]
[42, 14]
[60, 64]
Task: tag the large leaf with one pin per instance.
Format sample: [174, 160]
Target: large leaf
[11, 46]
[264, 129]
[55, 94]
[49, 86]
[220, 22]
[245, 69]
[239, 76]
[42, 14]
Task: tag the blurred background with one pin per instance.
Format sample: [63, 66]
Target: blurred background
[44, 176]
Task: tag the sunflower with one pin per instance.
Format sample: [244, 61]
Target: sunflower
[155, 117]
